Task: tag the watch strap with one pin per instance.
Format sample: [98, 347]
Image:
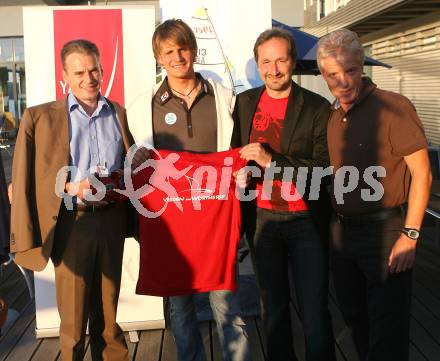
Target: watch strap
[412, 233]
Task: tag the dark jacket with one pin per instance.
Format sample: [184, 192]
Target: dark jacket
[303, 144]
[4, 216]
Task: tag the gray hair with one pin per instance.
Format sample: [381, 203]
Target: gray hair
[341, 40]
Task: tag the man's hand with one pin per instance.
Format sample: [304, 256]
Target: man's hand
[257, 153]
[10, 193]
[242, 177]
[79, 189]
[402, 255]
[141, 155]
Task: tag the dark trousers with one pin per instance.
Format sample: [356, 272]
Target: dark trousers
[87, 255]
[284, 239]
[375, 303]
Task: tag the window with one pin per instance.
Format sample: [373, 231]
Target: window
[12, 78]
[321, 9]
[326, 7]
[368, 71]
[338, 4]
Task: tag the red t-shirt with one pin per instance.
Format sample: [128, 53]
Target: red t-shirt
[192, 246]
[267, 125]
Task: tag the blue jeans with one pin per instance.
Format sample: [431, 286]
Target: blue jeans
[283, 240]
[230, 327]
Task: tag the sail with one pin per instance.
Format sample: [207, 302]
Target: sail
[211, 60]
[226, 34]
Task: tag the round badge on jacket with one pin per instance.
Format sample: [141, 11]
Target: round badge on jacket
[170, 118]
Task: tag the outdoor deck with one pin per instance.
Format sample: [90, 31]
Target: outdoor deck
[18, 341]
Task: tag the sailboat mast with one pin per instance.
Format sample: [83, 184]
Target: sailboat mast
[223, 54]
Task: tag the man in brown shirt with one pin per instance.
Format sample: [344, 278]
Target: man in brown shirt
[381, 185]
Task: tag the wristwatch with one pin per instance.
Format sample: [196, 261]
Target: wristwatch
[411, 233]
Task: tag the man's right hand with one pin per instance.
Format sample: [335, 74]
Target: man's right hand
[10, 193]
[79, 189]
[242, 177]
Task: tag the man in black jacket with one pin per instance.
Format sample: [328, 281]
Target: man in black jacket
[283, 130]
[4, 216]
[4, 234]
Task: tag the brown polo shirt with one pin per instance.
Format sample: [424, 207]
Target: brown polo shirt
[378, 130]
[177, 127]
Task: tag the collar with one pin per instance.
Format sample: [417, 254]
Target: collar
[367, 87]
[266, 94]
[337, 105]
[72, 103]
[165, 93]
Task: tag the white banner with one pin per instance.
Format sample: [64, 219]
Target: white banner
[128, 75]
[226, 32]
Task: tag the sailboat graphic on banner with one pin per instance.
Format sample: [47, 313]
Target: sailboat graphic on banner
[211, 60]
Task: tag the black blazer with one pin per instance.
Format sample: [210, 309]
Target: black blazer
[4, 216]
[303, 143]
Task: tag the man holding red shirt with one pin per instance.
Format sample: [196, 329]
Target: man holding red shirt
[283, 127]
[193, 114]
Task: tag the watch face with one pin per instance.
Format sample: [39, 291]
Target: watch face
[412, 233]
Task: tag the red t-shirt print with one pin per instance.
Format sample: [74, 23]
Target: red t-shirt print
[268, 121]
[192, 246]
[267, 126]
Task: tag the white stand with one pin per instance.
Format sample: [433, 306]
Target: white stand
[135, 312]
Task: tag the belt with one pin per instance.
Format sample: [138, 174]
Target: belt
[380, 215]
[90, 208]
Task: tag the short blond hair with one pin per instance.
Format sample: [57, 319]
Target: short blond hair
[177, 31]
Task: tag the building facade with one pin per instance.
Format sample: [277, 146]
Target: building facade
[402, 33]
[12, 62]
[12, 65]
